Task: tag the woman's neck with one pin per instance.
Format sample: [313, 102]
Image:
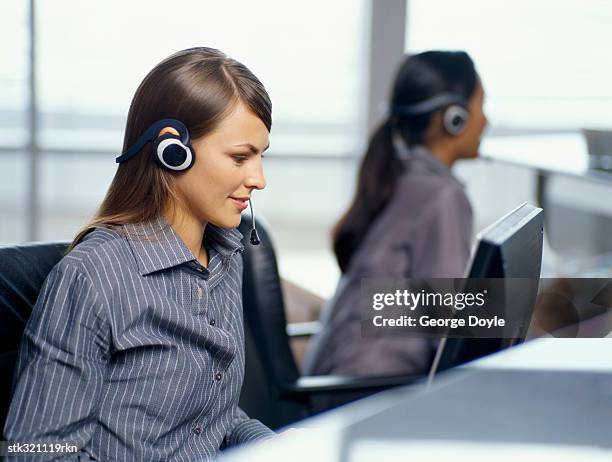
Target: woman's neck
[190, 230]
[443, 151]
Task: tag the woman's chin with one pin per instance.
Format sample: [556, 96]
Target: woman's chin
[473, 154]
[228, 222]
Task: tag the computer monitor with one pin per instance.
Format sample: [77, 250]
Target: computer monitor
[509, 248]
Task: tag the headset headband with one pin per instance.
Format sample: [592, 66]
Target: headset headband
[151, 134]
[428, 105]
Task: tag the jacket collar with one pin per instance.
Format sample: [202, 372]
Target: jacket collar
[419, 158]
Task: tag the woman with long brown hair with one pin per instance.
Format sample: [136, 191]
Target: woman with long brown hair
[135, 348]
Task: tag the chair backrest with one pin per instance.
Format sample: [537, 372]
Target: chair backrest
[23, 269]
[269, 361]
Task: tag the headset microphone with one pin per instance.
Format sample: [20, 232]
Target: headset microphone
[254, 239]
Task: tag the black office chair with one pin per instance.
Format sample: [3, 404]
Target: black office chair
[23, 269]
[273, 390]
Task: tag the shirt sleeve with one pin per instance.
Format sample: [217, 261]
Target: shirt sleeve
[246, 430]
[443, 239]
[61, 365]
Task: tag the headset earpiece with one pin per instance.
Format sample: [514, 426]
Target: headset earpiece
[455, 116]
[172, 154]
[455, 119]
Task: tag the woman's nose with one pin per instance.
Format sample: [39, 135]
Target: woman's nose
[256, 178]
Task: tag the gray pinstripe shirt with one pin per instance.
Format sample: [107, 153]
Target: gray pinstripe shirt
[134, 351]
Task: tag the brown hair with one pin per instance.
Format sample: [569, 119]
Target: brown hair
[199, 87]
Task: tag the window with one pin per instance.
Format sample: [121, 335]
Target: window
[545, 65]
[90, 68]
[13, 120]
[90, 57]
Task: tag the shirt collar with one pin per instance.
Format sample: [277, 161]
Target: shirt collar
[157, 246]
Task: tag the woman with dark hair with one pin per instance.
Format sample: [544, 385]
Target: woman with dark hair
[410, 216]
[135, 348]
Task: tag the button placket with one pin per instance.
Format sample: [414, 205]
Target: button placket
[200, 296]
[206, 283]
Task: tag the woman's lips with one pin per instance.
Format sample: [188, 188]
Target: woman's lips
[241, 203]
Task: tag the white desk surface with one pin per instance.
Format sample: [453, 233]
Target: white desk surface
[370, 429]
[554, 354]
[564, 154]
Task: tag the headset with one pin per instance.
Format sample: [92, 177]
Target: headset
[455, 115]
[173, 153]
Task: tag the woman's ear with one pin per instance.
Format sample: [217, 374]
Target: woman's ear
[435, 130]
[170, 130]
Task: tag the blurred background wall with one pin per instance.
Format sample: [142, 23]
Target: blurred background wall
[69, 69]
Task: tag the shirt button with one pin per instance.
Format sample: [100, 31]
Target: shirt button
[218, 376]
[200, 291]
[197, 430]
[212, 322]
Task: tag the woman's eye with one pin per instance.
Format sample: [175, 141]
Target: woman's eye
[239, 159]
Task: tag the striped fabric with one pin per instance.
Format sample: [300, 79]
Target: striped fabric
[134, 351]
